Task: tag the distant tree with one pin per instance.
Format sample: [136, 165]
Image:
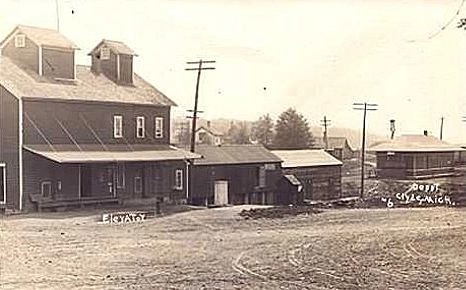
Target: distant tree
[262, 130]
[238, 134]
[292, 131]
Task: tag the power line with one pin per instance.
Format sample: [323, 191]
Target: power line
[445, 26]
[199, 68]
[364, 107]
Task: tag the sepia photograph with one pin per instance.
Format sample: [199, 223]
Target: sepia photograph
[233, 144]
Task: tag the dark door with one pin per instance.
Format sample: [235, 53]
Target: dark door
[139, 182]
[86, 181]
[106, 181]
[2, 183]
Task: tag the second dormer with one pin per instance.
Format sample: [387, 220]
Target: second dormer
[114, 59]
[44, 51]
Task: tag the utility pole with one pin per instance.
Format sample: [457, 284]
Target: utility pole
[365, 107]
[199, 68]
[58, 15]
[441, 128]
[325, 123]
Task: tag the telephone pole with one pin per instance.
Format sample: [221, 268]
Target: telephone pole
[364, 107]
[325, 124]
[441, 128]
[199, 68]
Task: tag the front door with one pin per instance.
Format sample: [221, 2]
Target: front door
[221, 192]
[107, 181]
[139, 182]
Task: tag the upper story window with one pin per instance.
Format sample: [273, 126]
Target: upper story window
[20, 40]
[140, 128]
[158, 127]
[118, 126]
[104, 53]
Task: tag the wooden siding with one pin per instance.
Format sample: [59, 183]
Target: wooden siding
[78, 117]
[242, 180]
[9, 144]
[126, 69]
[27, 56]
[320, 182]
[109, 67]
[58, 63]
[414, 164]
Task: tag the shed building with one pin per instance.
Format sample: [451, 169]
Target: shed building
[318, 171]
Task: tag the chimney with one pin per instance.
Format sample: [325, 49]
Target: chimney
[425, 132]
[392, 128]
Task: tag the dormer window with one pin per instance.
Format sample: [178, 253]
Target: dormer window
[20, 40]
[104, 53]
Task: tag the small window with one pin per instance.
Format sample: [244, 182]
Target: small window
[46, 189]
[120, 175]
[158, 127]
[117, 126]
[104, 53]
[261, 176]
[179, 179]
[140, 130]
[20, 40]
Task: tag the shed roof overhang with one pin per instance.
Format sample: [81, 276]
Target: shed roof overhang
[114, 153]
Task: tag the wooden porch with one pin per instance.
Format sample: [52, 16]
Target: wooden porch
[42, 202]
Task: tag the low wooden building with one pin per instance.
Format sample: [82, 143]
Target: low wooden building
[415, 156]
[233, 174]
[318, 171]
[338, 147]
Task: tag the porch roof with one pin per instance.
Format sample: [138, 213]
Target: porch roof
[95, 153]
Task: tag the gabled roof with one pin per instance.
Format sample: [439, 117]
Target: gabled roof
[234, 154]
[42, 37]
[210, 130]
[306, 158]
[333, 142]
[414, 143]
[117, 47]
[25, 83]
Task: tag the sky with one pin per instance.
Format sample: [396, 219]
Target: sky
[318, 57]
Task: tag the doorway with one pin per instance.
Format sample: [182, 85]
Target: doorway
[139, 182]
[2, 183]
[85, 180]
[221, 192]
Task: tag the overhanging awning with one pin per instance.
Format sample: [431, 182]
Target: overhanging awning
[110, 153]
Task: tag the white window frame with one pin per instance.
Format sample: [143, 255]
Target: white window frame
[178, 179]
[42, 184]
[140, 124]
[117, 120]
[104, 53]
[3, 165]
[20, 40]
[158, 127]
[121, 169]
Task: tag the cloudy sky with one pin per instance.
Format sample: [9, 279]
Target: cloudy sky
[316, 56]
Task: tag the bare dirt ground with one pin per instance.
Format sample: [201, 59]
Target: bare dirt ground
[218, 249]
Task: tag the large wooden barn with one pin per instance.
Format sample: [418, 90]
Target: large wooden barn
[415, 156]
[234, 174]
[72, 134]
[318, 171]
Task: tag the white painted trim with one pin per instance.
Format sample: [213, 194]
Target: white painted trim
[143, 126]
[40, 61]
[20, 153]
[118, 67]
[115, 118]
[4, 183]
[187, 180]
[158, 129]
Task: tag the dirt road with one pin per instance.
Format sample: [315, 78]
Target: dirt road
[217, 249]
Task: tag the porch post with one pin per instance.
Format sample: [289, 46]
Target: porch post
[80, 194]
